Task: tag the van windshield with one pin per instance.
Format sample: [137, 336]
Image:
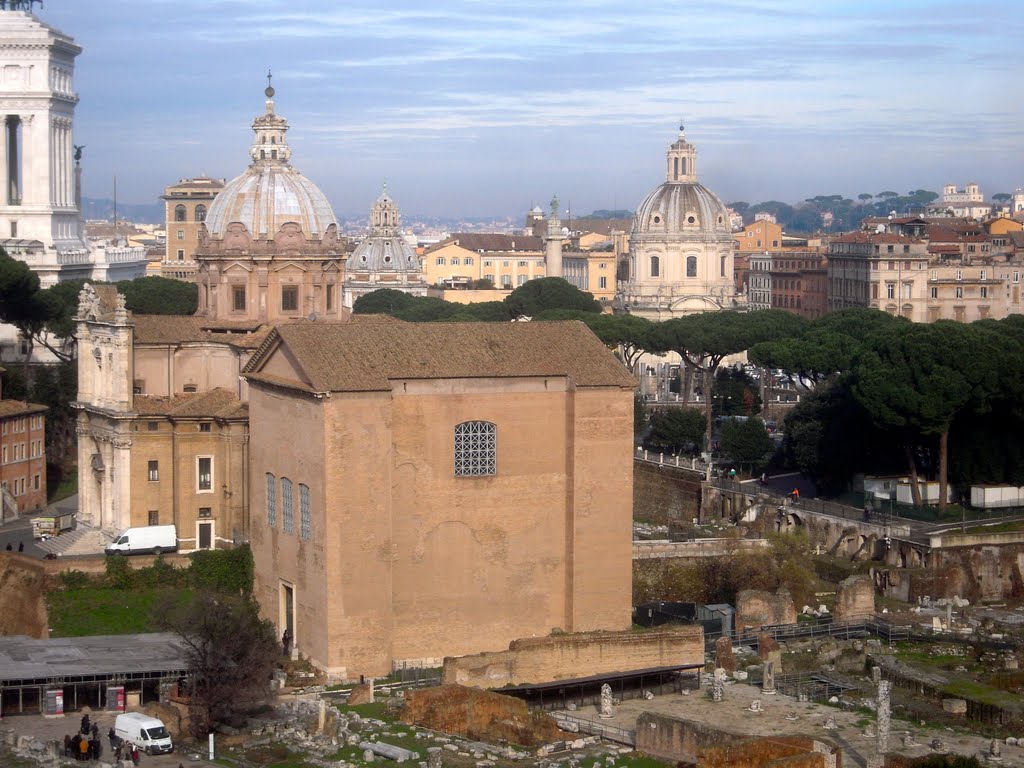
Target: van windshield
[122, 540]
[157, 733]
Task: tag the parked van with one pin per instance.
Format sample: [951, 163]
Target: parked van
[151, 538]
[147, 733]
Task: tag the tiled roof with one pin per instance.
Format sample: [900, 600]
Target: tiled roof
[217, 403]
[19, 408]
[365, 356]
[475, 241]
[177, 329]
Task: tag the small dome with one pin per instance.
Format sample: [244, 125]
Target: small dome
[271, 193]
[682, 208]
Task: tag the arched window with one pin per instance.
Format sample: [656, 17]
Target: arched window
[655, 266]
[691, 266]
[305, 515]
[287, 511]
[271, 500]
[179, 213]
[200, 213]
[476, 448]
[723, 267]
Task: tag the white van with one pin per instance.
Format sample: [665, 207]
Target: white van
[145, 732]
[151, 538]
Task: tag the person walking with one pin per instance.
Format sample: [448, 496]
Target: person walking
[21, 546]
[85, 724]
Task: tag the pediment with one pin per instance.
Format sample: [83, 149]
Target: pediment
[290, 265]
[237, 266]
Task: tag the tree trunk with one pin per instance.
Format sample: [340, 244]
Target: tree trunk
[709, 391]
[943, 469]
[685, 381]
[915, 490]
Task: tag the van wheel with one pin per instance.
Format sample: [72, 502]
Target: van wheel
[158, 550]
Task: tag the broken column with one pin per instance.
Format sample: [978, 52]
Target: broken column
[724, 657]
[883, 716]
[718, 685]
[607, 710]
[768, 679]
[433, 757]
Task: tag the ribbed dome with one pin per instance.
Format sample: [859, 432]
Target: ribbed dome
[383, 254]
[682, 208]
[267, 196]
[270, 193]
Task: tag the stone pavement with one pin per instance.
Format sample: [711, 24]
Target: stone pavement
[49, 729]
[733, 714]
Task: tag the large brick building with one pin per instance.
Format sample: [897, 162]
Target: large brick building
[423, 490]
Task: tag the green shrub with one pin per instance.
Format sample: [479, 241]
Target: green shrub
[222, 570]
[119, 573]
[74, 579]
[159, 574]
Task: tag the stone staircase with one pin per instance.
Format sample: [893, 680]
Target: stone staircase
[84, 540]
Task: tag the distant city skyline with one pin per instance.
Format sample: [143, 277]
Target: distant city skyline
[484, 109]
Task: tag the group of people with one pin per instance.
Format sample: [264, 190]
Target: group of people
[21, 546]
[86, 744]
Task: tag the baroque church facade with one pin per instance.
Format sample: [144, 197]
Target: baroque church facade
[680, 246]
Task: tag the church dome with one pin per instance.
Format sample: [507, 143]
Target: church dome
[271, 193]
[384, 249]
[682, 207]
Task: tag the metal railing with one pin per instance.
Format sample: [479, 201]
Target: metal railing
[884, 630]
[575, 724]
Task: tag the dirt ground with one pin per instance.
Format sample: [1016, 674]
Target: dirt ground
[733, 714]
[23, 597]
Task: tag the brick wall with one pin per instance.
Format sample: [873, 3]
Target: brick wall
[564, 657]
[661, 493]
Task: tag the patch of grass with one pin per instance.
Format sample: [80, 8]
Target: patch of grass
[101, 611]
[377, 710]
[1015, 527]
[67, 486]
[985, 694]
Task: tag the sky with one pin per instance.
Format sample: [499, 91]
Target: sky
[481, 108]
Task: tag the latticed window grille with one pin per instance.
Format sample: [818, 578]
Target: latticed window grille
[271, 500]
[304, 522]
[476, 444]
[287, 513]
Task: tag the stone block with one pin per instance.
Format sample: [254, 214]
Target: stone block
[955, 706]
[855, 598]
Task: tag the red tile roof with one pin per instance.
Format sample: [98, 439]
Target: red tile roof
[19, 408]
[365, 356]
[216, 403]
[475, 241]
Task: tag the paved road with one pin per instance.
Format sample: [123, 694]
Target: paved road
[18, 533]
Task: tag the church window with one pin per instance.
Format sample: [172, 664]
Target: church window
[304, 512]
[204, 474]
[238, 298]
[387, 259]
[263, 154]
[476, 444]
[329, 296]
[289, 298]
[179, 213]
[14, 229]
[154, 471]
[287, 512]
[200, 213]
[271, 500]
[691, 266]
[189, 389]
[656, 219]
[273, 154]
[722, 268]
[655, 266]
[205, 426]
[691, 219]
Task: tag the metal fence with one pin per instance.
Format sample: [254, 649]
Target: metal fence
[884, 630]
[575, 724]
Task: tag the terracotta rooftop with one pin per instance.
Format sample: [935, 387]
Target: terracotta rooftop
[366, 355]
[474, 241]
[176, 329]
[217, 403]
[19, 408]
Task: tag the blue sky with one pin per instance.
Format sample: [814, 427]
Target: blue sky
[477, 107]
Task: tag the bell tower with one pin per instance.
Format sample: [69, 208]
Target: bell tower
[37, 174]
